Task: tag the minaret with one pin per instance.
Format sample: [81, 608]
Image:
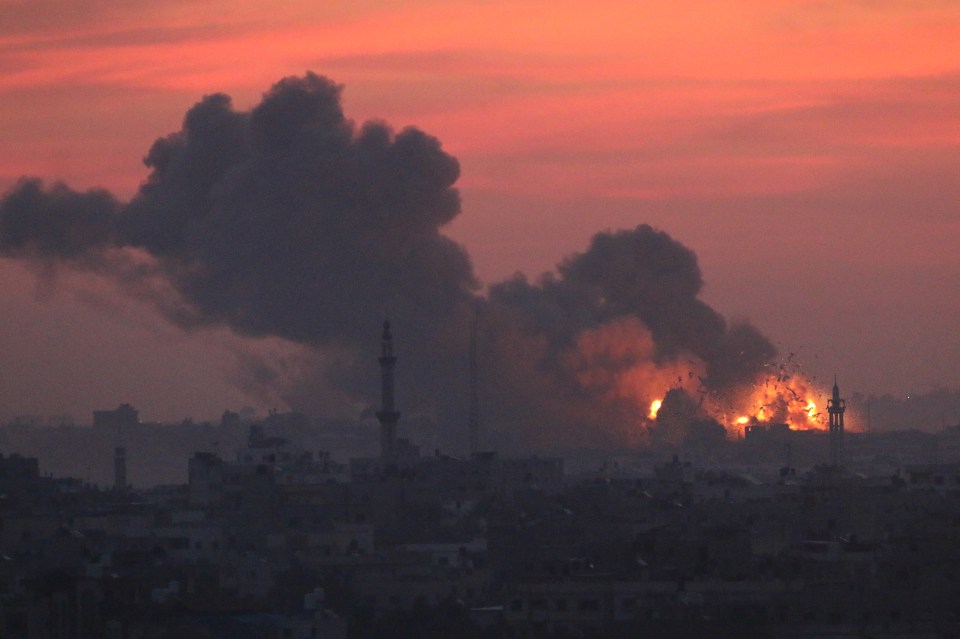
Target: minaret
[387, 415]
[836, 408]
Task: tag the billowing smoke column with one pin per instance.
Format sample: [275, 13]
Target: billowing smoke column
[292, 222]
[284, 221]
[617, 327]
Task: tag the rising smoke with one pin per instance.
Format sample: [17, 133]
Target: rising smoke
[290, 221]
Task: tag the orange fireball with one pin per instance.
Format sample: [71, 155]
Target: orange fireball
[655, 408]
[776, 399]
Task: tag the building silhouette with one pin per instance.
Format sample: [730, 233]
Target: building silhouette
[120, 468]
[123, 415]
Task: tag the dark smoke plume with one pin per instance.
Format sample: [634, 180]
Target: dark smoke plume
[618, 326]
[290, 221]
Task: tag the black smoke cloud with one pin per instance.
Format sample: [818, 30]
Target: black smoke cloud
[616, 327]
[290, 221]
[56, 224]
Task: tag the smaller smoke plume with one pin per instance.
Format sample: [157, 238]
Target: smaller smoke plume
[617, 327]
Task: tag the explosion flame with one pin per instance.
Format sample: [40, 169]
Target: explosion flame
[784, 396]
[655, 408]
[778, 399]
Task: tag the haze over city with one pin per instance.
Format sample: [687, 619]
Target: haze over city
[806, 153]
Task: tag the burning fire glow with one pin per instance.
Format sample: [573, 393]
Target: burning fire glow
[655, 408]
[780, 397]
[777, 399]
[617, 363]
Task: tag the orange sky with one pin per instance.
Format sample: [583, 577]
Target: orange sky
[808, 151]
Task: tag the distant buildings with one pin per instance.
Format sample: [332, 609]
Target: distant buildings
[123, 415]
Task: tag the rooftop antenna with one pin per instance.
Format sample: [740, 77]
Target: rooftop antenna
[387, 415]
[474, 418]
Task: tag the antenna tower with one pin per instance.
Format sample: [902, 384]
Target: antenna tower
[474, 419]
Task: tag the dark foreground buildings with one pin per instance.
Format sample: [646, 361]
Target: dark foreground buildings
[277, 541]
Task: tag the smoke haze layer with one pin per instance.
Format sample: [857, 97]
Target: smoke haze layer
[290, 221]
